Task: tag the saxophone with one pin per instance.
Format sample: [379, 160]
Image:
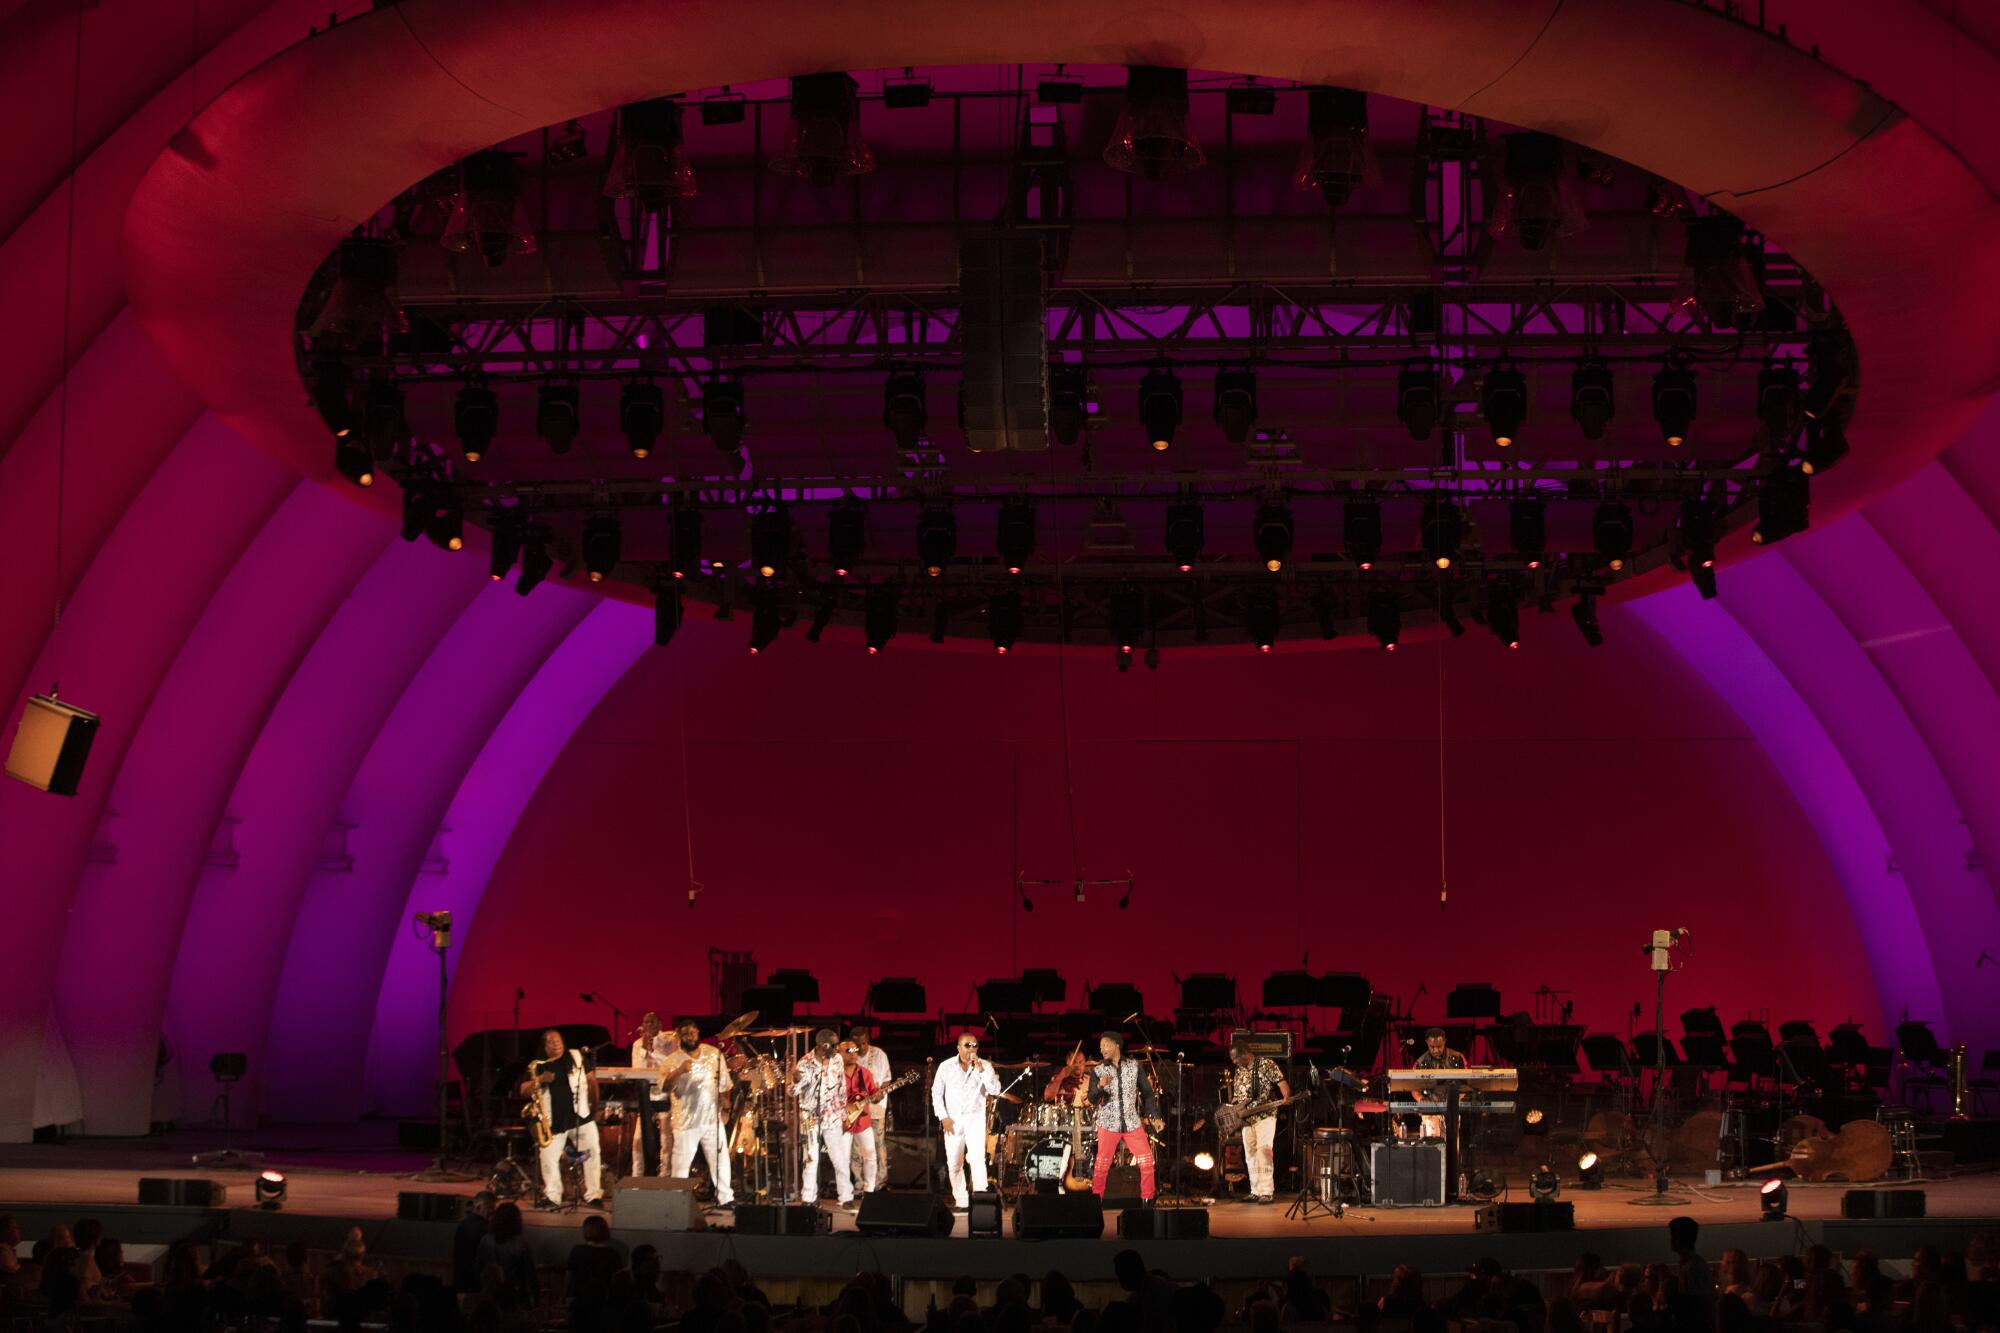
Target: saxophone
[532, 1114]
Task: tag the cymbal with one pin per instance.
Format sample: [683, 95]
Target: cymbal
[1020, 1064]
[737, 1025]
[774, 1032]
[1013, 1097]
[1149, 1050]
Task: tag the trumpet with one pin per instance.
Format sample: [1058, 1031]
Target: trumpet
[533, 1116]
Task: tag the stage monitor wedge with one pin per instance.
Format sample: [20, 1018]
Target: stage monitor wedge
[1059, 1217]
[181, 1192]
[657, 1203]
[429, 1206]
[1003, 327]
[51, 745]
[894, 1213]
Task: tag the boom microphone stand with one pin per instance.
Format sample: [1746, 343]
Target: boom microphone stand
[1660, 960]
[439, 926]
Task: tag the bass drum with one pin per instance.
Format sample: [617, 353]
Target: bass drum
[1046, 1161]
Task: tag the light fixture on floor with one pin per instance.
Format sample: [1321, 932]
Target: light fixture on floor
[1772, 1199]
[1589, 1172]
[271, 1190]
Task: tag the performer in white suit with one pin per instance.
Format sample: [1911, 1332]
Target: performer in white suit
[699, 1080]
[650, 1050]
[959, 1091]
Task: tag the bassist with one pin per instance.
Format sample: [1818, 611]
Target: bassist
[1255, 1080]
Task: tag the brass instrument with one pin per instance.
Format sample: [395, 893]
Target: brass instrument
[532, 1115]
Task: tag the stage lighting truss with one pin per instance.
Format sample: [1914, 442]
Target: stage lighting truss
[1446, 410]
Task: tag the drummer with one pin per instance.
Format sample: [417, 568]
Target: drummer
[1071, 1083]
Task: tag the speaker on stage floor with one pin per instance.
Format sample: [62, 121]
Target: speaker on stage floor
[982, 1214]
[429, 1206]
[1059, 1216]
[1882, 1203]
[51, 744]
[1407, 1173]
[909, 1165]
[782, 1219]
[1537, 1215]
[181, 1192]
[892, 1213]
[657, 1203]
[1163, 1224]
[1121, 1187]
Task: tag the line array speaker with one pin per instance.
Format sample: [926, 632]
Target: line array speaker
[51, 744]
[1003, 327]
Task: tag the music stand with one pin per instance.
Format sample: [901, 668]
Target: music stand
[228, 1068]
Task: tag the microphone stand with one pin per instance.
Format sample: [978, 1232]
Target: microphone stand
[930, 1141]
[617, 1014]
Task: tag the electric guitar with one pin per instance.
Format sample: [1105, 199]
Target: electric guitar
[1230, 1117]
[855, 1109]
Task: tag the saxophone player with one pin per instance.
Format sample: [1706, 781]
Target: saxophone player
[563, 1084]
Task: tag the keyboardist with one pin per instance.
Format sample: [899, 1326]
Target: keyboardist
[1435, 1056]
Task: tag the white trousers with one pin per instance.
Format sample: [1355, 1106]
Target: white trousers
[663, 1126]
[871, 1146]
[1258, 1158]
[707, 1138]
[838, 1144]
[963, 1148]
[584, 1136]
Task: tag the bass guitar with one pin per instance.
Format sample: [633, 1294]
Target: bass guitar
[855, 1109]
[1230, 1117]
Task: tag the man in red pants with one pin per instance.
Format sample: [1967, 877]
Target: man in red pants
[1126, 1107]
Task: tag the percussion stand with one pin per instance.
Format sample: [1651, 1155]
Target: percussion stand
[1306, 1205]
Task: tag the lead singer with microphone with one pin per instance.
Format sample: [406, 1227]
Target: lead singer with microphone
[959, 1093]
[1126, 1108]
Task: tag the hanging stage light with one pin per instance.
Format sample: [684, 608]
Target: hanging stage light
[722, 413]
[362, 309]
[1784, 502]
[937, 540]
[475, 419]
[1503, 613]
[328, 388]
[1236, 403]
[1003, 621]
[686, 540]
[1584, 612]
[419, 507]
[1538, 202]
[1015, 534]
[1184, 533]
[1334, 157]
[506, 544]
[1442, 530]
[878, 617]
[446, 528]
[1826, 445]
[1261, 618]
[666, 612]
[1590, 398]
[1779, 406]
[1069, 403]
[1826, 377]
[1697, 531]
[1385, 615]
[1503, 401]
[385, 424]
[649, 159]
[771, 540]
[1361, 530]
[352, 461]
[536, 562]
[846, 536]
[558, 414]
[825, 142]
[1611, 532]
[1418, 398]
[1151, 138]
[764, 620]
[1673, 403]
[1527, 529]
[1716, 276]
[603, 543]
[1447, 605]
[1128, 617]
[1160, 405]
[1773, 1199]
[642, 415]
[904, 412]
[1272, 535]
[487, 217]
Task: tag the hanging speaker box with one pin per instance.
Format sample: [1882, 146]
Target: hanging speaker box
[51, 744]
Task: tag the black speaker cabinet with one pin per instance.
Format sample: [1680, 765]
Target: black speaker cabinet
[1059, 1216]
[51, 744]
[1407, 1173]
[1163, 1224]
[982, 1215]
[429, 1206]
[1535, 1215]
[1882, 1203]
[1121, 1187]
[782, 1219]
[179, 1192]
[888, 1213]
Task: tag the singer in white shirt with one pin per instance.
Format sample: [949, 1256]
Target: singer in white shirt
[650, 1050]
[959, 1093]
[699, 1080]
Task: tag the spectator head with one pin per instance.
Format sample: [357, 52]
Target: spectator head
[482, 1203]
[355, 1247]
[965, 1286]
[596, 1230]
[10, 1231]
[110, 1257]
[1130, 1268]
[1058, 1295]
[1682, 1234]
[86, 1233]
[61, 1238]
[506, 1222]
[296, 1254]
[1263, 1317]
[1009, 1292]
[1734, 1270]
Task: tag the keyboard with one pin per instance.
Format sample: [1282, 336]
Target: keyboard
[1437, 1108]
[1485, 1079]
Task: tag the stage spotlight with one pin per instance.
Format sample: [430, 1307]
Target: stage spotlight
[1673, 403]
[824, 143]
[1204, 1161]
[1538, 202]
[685, 540]
[878, 617]
[362, 307]
[1069, 403]
[475, 419]
[1534, 1121]
[271, 1190]
[1385, 615]
[1236, 403]
[1778, 403]
[487, 217]
[1447, 604]
[1826, 445]
[1160, 405]
[846, 536]
[1611, 532]
[1527, 529]
[1697, 530]
[1584, 612]
[1003, 621]
[384, 421]
[1418, 396]
[1015, 534]
[1261, 617]
[1589, 1172]
[764, 624]
[567, 144]
[1184, 533]
[1826, 377]
[1273, 534]
[1590, 398]
[666, 612]
[649, 158]
[536, 562]
[603, 544]
[1703, 578]
[642, 415]
[1442, 530]
[1128, 617]
[1784, 501]
[1334, 157]
[722, 413]
[352, 461]
[1503, 613]
[822, 616]
[328, 390]
[1543, 1184]
[1772, 1200]
[937, 540]
[446, 528]
[1716, 276]
[419, 507]
[1151, 138]
[1361, 530]
[558, 410]
[904, 409]
[1503, 401]
[771, 541]
[506, 539]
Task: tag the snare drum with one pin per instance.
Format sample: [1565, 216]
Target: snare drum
[1045, 1115]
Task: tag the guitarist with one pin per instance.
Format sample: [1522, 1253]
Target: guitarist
[861, 1128]
[876, 1061]
[1257, 1079]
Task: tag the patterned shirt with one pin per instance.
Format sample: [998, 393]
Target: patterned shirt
[821, 1087]
[1256, 1082]
[1129, 1102]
